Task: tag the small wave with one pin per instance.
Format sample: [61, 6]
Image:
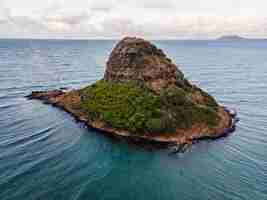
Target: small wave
[6, 106]
[20, 140]
[66, 64]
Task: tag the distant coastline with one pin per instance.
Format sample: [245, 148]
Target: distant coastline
[236, 38]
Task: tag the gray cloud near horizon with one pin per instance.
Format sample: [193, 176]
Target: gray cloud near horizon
[151, 19]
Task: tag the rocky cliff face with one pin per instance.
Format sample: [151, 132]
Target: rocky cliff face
[138, 60]
[134, 59]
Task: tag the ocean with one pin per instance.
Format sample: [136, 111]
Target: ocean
[46, 155]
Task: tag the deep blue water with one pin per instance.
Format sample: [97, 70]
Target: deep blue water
[46, 155]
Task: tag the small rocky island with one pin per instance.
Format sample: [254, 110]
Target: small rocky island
[144, 96]
[231, 38]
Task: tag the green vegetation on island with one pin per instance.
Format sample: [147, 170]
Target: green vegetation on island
[138, 109]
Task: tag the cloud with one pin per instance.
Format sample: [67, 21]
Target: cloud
[117, 18]
[4, 14]
[64, 22]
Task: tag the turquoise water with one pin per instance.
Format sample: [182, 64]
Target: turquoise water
[46, 155]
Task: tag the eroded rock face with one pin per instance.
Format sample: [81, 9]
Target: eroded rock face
[135, 59]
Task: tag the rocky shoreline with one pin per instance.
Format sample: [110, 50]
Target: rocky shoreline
[65, 101]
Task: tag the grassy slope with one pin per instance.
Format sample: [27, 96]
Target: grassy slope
[139, 110]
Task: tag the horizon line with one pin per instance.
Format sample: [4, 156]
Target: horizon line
[116, 39]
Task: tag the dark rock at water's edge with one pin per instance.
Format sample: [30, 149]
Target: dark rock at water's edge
[145, 97]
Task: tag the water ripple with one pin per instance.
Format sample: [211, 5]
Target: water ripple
[45, 154]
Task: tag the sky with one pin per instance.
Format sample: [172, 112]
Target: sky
[113, 19]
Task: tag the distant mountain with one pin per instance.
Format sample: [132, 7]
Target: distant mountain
[231, 37]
